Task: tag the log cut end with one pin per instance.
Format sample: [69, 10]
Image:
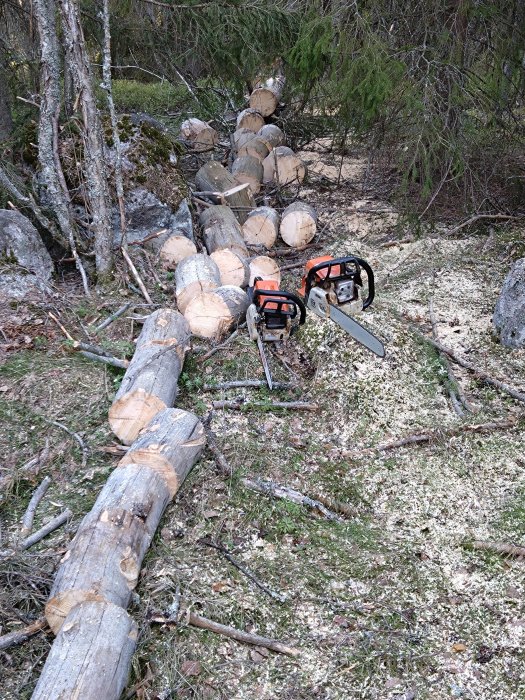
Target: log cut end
[282, 166]
[265, 267]
[261, 227]
[130, 413]
[264, 101]
[198, 135]
[234, 269]
[250, 119]
[298, 224]
[58, 607]
[212, 314]
[175, 249]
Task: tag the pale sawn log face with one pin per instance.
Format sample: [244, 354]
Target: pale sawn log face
[233, 268]
[284, 167]
[261, 227]
[150, 382]
[198, 134]
[250, 119]
[298, 224]
[265, 267]
[212, 314]
[195, 274]
[91, 656]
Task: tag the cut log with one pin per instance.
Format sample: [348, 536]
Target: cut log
[212, 314]
[150, 382]
[250, 119]
[193, 275]
[233, 268]
[174, 248]
[283, 167]
[198, 135]
[248, 169]
[104, 558]
[170, 445]
[265, 98]
[298, 224]
[252, 145]
[261, 227]
[264, 267]
[240, 133]
[214, 177]
[272, 136]
[91, 656]
[221, 231]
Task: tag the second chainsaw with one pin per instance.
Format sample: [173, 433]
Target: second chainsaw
[272, 316]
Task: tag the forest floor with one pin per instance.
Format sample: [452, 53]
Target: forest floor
[389, 603]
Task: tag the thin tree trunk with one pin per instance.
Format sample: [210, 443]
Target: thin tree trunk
[6, 122]
[52, 174]
[107, 85]
[95, 164]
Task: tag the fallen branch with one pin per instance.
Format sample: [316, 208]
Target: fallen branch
[276, 596]
[499, 548]
[240, 404]
[245, 637]
[472, 368]
[270, 488]
[44, 531]
[106, 359]
[20, 636]
[75, 436]
[402, 241]
[418, 438]
[228, 340]
[112, 318]
[29, 515]
[64, 330]
[248, 383]
[136, 275]
[478, 217]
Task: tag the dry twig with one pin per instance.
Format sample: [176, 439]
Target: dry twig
[136, 275]
[19, 636]
[44, 531]
[112, 318]
[499, 548]
[245, 637]
[228, 340]
[248, 383]
[29, 515]
[240, 404]
[75, 436]
[270, 488]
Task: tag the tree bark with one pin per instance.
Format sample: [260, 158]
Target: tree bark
[198, 135]
[222, 230]
[94, 161]
[248, 169]
[214, 177]
[272, 136]
[283, 167]
[150, 382]
[194, 275]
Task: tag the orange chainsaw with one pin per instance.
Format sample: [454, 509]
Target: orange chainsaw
[272, 316]
[330, 283]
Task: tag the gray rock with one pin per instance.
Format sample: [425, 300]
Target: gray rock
[146, 214]
[20, 243]
[181, 222]
[509, 314]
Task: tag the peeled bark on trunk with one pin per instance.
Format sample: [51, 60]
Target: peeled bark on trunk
[91, 656]
[104, 558]
[250, 119]
[222, 231]
[265, 267]
[234, 269]
[265, 98]
[195, 275]
[150, 382]
[199, 135]
[214, 177]
[252, 145]
[212, 314]
[169, 445]
[94, 157]
[248, 169]
[283, 167]
[261, 227]
[298, 224]
[272, 136]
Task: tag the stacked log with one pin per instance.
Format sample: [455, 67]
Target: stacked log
[199, 135]
[267, 94]
[212, 314]
[265, 267]
[272, 136]
[250, 119]
[283, 167]
[96, 638]
[250, 144]
[261, 227]
[215, 178]
[298, 224]
[248, 169]
[196, 274]
[150, 382]
[224, 241]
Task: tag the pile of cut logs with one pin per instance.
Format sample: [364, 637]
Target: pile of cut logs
[91, 655]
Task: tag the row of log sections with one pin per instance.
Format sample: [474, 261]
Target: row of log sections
[96, 638]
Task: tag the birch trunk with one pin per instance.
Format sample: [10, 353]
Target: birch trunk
[94, 162]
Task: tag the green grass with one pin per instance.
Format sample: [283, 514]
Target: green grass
[152, 97]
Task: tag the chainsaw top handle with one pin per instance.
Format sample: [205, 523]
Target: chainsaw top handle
[279, 303]
[341, 272]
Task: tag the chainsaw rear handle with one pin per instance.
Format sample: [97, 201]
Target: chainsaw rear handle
[279, 299]
[342, 262]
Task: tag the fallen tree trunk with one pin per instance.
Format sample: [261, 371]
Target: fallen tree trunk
[198, 135]
[250, 119]
[212, 314]
[91, 656]
[283, 167]
[265, 98]
[150, 382]
[261, 227]
[298, 224]
[213, 176]
[248, 169]
[225, 243]
[272, 136]
[103, 561]
[194, 275]
[265, 267]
